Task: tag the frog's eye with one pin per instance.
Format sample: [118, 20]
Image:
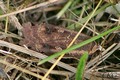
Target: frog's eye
[47, 46]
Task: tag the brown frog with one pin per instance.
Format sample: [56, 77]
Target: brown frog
[38, 38]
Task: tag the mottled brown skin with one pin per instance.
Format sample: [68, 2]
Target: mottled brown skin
[39, 39]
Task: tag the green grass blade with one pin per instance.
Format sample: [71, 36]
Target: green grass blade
[78, 45]
[64, 8]
[83, 20]
[81, 66]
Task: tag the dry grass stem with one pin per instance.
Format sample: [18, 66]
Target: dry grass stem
[35, 54]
